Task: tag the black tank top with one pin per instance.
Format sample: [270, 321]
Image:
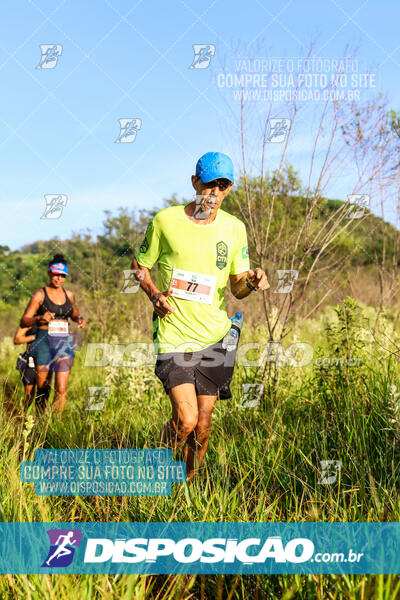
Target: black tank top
[61, 311]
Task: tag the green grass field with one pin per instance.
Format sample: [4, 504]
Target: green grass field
[263, 464]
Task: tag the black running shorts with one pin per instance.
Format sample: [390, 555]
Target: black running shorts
[28, 374]
[210, 370]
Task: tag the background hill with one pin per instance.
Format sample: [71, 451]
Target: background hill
[362, 261]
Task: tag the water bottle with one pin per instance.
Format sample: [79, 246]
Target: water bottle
[231, 339]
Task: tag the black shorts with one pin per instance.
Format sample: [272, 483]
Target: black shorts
[28, 374]
[210, 370]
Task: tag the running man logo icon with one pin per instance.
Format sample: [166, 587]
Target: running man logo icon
[98, 396]
[286, 279]
[278, 130]
[357, 205]
[128, 130]
[131, 285]
[61, 550]
[54, 206]
[202, 210]
[329, 471]
[252, 392]
[50, 55]
[202, 56]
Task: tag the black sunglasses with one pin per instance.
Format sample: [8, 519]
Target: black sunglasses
[222, 184]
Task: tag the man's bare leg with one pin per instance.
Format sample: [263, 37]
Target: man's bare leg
[29, 393]
[197, 441]
[184, 415]
[43, 387]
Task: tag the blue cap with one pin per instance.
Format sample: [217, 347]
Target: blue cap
[59, 269]
[214, 165]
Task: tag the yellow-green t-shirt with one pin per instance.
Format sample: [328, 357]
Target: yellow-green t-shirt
[218, 249]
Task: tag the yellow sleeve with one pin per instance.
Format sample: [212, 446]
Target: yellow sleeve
[150, 248]
[240, 260]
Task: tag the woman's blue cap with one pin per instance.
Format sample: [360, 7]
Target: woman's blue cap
[214, 165]
[59, 268]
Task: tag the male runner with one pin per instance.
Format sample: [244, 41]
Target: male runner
[25, 363]
[196, 245]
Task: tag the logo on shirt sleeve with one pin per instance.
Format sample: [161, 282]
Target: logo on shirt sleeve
[222, 255]
[245, 252]
[144, 247]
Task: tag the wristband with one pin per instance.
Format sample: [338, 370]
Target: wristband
[156, 297]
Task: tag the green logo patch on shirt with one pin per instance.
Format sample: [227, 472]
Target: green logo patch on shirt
[245, 251]
[222, 255]
[144, 247]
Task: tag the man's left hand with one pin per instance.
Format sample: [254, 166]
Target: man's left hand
[81, 323]
[258, 279]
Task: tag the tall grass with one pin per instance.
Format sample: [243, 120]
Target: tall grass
[262, 464]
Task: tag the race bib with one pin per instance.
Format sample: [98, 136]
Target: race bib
[193, 286]
[58, 328]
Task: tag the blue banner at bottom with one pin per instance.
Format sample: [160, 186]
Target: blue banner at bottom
[166, 548]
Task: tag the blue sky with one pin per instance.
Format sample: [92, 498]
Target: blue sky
[131, 60]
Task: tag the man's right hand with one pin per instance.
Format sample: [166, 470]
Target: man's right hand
[46, 317]
[161, 306]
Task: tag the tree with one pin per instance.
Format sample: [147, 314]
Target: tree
[293, 228]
